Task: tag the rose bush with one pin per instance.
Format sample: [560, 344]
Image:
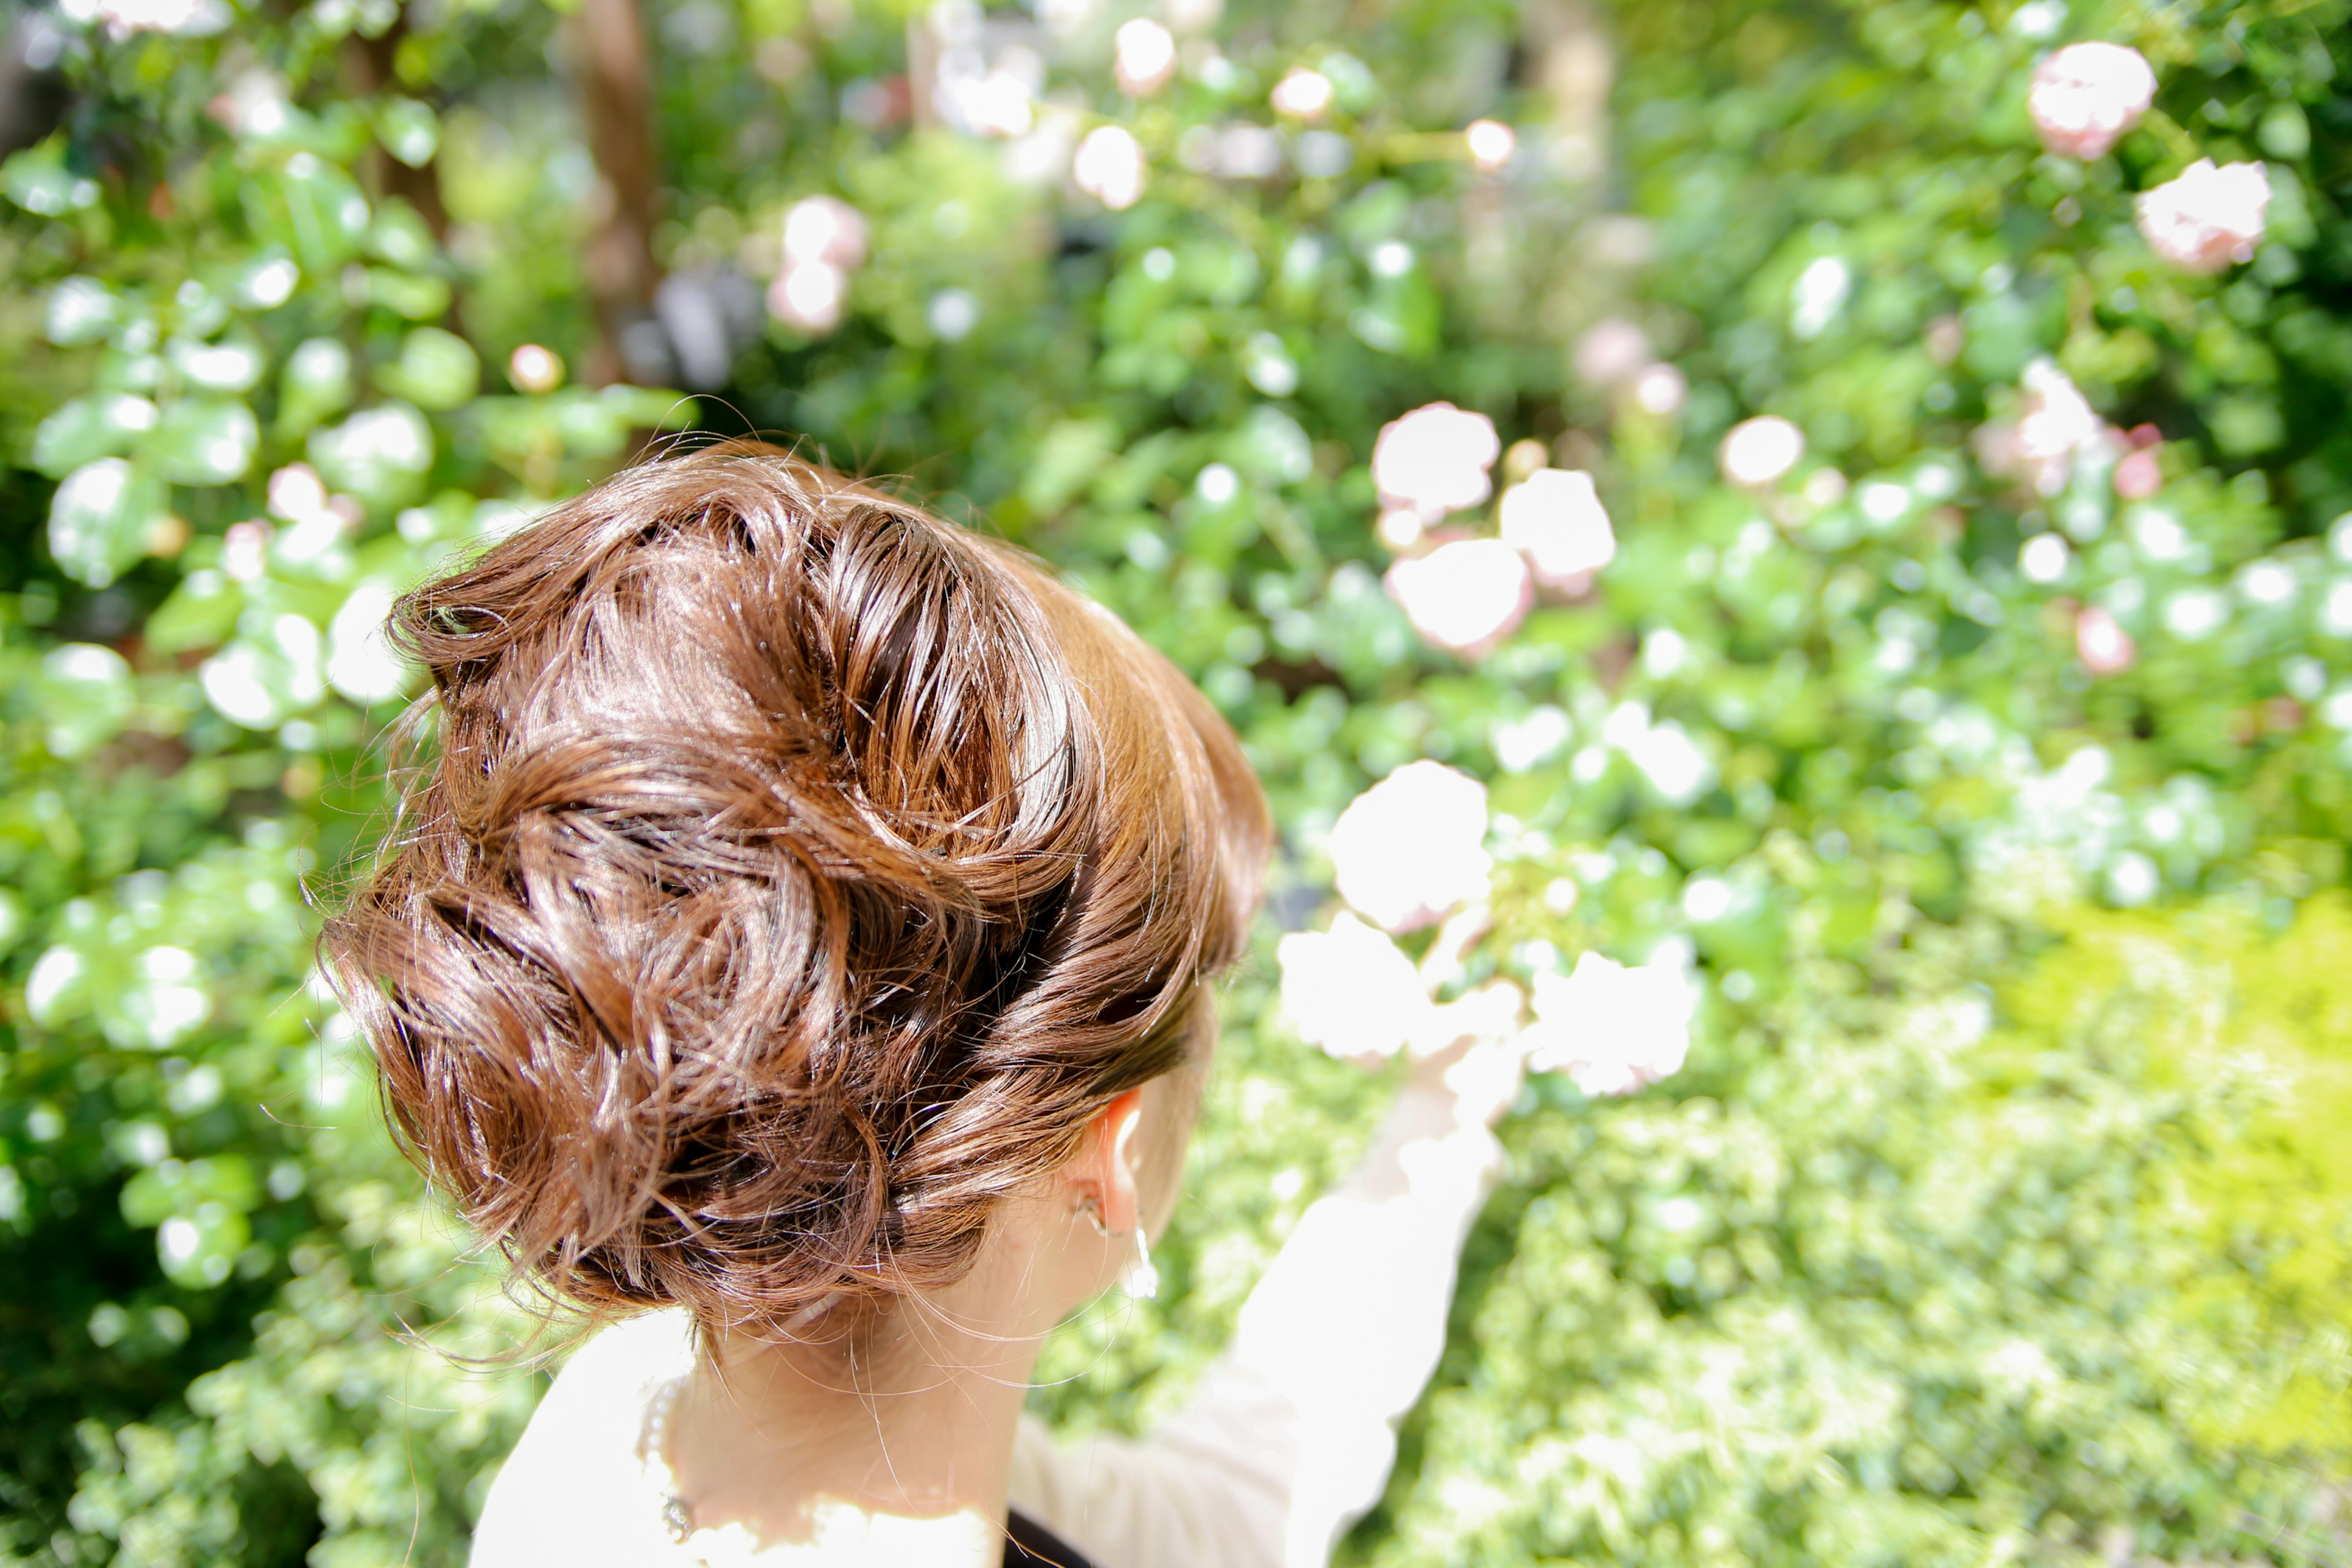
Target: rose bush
[1849, 508]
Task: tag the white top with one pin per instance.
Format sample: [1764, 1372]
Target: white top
[1289, 1439]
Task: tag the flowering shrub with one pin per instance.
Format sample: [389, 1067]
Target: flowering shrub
[1796, 562]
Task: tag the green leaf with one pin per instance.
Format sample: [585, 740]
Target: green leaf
[235, 364]
[81, 310]
[103, 425]
[436, 369]
[316, 382]
[408, 130]
[204, 441]
[101, 519]
[37, 180]
[310, 207]
[201, 612]
[83, 695]
[377, 455]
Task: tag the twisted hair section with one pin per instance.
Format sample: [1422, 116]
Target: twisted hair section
[790, 876]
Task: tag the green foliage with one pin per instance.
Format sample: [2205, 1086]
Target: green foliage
[1987, 1222]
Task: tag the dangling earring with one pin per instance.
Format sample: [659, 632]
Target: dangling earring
[1142, 1281]
[1093, 1211]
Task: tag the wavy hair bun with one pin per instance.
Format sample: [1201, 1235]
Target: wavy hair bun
[792, 876]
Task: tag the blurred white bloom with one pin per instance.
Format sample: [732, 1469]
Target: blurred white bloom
[186, 18]
[2102, 644]
[1303, 94]
[2209, 217]
[1707, 898]
[1613, 1029]
[827, 229]
[809, 295]
[1660, 389]
[1146, 56]
[1350, 990]
[1109, 167]
[2086, 96]
[1217, 484]
[1556, 520]
[2196, 613]
[2044, 558]
[533, 368]
[1465, 595]
[296, 492]
[1492, 143]
[1674, 763]
[1412, 847]
[1818, 294]
[1611, 352]
[2055, 424]
[360, 661]
[1434, 460]
[1759, 451]
[1523, 743]
[951, 313]
[1399, 527]
[245, 550]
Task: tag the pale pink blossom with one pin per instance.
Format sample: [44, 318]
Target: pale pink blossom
[1491, 142]
[1434, 460]
[2086, 96]
[809, 295]
[1465, 597]
[1109, 167]
[1759, 451]
[1413, 848]
[1556, 520]
[1612, 1028]
[1611, 351]
[245, 550]
[2102, 645]
[2055, 422]
[1303, 94]
[827, 229]
[1350, 990]
[2209, 217]
[1145, 56]
[2139, 475]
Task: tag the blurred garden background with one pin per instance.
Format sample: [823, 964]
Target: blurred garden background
[1875, 521]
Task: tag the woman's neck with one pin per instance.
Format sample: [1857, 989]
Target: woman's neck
[888, 1444]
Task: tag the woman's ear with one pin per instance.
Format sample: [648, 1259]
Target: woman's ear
[1104, 1173]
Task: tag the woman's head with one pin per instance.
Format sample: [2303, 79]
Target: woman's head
[795, 876]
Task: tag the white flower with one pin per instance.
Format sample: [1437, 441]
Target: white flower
[1556, 520]
[1412, 847]
[1146, 55]
[1611, 1028]
[187, 18]
[1350, 990]
[1109, 167]
[535, 368]
[1491, 142]
[2209, 217]
[1434, 460]
[1761, 451]
[2053, 424]
[1465, 595]
[826, 229]
[1303, 94]
[1661, 389]
[809, 295]
[2086, 96]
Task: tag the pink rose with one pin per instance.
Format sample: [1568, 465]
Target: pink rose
[2209, 217]
[2086, 96]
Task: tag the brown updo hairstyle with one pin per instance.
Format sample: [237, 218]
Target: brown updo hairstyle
[792, 876]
